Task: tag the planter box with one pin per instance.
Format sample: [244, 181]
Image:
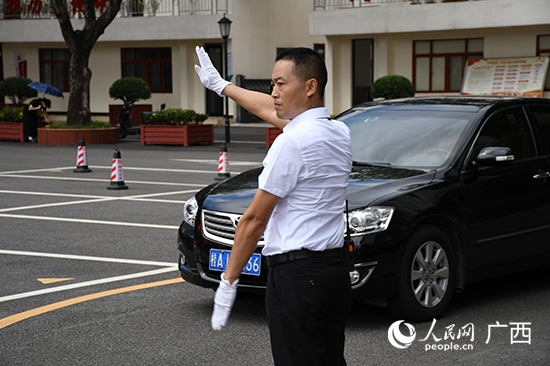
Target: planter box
[61, 136]
[14, 131]
[135, 115]
[177, 135]
[270, 134]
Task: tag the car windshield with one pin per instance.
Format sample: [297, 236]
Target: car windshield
[405, 138]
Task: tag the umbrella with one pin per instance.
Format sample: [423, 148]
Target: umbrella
[46, 89]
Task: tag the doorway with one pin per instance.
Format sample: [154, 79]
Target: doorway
[214, 104]
[363, 65]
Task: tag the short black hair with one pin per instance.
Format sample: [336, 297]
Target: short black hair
[47, 102]
[308, 64]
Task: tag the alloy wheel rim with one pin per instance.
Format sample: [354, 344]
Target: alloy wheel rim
[430, 274]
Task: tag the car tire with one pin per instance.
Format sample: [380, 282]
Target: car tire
[426, 277]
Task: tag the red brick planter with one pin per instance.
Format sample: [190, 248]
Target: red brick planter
[62, 136]
[14, 131]
[177, 135]
[270, 134]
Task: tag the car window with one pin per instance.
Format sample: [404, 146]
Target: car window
[423, 139]
[507, 128]
[542, 117]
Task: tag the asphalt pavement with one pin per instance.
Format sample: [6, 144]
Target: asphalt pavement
[89, 274]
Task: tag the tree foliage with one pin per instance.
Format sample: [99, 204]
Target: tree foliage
[80, 43]
[130, 88]
[392, 87]
[16, 89]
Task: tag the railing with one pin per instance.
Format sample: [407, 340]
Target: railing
[42, 9]
[346, 4]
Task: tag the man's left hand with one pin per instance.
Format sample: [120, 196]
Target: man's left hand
[223, 302]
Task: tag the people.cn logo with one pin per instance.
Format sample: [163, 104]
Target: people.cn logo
[398, 339]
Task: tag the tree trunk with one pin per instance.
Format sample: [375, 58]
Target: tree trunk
[80, 43]
[78, 112]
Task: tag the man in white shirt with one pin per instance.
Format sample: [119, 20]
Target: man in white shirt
[299, 205]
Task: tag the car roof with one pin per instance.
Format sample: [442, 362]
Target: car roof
[460, 103]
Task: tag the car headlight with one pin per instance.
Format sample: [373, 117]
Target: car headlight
[190, 211]
[370, 220]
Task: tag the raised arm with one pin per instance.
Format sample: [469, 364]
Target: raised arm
[259, 104]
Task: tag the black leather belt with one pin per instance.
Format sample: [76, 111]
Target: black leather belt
[273, 260]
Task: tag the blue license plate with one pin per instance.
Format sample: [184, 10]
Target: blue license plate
[219, 259]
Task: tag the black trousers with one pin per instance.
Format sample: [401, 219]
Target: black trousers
[307, 303]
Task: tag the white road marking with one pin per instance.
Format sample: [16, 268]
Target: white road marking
[215, 162]
[107, 181]
[37, 170]
[87, 258]
[82, 221]
[164, 170]
[141, 198]
[88, 283]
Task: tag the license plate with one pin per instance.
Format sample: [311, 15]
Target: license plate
[219, 259]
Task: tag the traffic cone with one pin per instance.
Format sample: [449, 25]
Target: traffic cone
[117, 175]
[82, 158]
[223, 164]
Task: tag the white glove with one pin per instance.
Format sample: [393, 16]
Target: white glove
[223, 302]
[210, 77]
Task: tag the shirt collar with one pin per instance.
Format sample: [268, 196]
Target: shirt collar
[310, 114]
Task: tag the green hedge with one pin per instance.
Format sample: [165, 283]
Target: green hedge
[392, 87]
[175, 117]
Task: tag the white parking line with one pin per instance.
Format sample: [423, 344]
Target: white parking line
[107, 181]
[215, 162]
[94, 199]
[36, 170]
[86, 258]
[88, 283]
[82, 221]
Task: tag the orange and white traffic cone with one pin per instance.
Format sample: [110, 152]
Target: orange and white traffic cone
[223, 164]
[117, 175]
[82, 158]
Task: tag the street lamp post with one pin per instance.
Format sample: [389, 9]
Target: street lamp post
[225, 28]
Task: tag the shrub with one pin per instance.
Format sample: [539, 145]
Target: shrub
[11, 114]
[392, 87]
[130, 88]
[175, 117]
[16, 89]
[93, 124]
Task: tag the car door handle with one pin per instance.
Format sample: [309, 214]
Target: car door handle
[541, 175]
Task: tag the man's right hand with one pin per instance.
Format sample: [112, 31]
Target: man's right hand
[210, 77]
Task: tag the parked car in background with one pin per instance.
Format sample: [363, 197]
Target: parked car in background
[443, 192]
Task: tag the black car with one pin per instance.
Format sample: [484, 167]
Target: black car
[443, 192]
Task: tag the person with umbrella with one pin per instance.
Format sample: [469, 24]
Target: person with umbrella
[30, 116]
[30, 111]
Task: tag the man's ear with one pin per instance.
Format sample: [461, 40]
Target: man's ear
[311, 86]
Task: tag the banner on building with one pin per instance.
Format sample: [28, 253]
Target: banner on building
[20, 64]
[520, 76]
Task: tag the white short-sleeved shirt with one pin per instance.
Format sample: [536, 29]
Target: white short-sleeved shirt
[308, 167]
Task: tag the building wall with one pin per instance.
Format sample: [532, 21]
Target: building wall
[509, 28]
[393, 54]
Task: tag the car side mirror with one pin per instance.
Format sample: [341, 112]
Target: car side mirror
[494, 155]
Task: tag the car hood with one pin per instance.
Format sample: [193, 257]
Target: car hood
[366, 184]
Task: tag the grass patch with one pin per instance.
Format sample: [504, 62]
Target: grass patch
[93, 124]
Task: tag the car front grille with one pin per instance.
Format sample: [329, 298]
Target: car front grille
[221, 226]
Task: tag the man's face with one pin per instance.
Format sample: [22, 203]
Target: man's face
[289, 93]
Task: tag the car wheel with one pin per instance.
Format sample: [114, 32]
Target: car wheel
[426, 276]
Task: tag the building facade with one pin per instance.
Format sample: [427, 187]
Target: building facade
[427, 41]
